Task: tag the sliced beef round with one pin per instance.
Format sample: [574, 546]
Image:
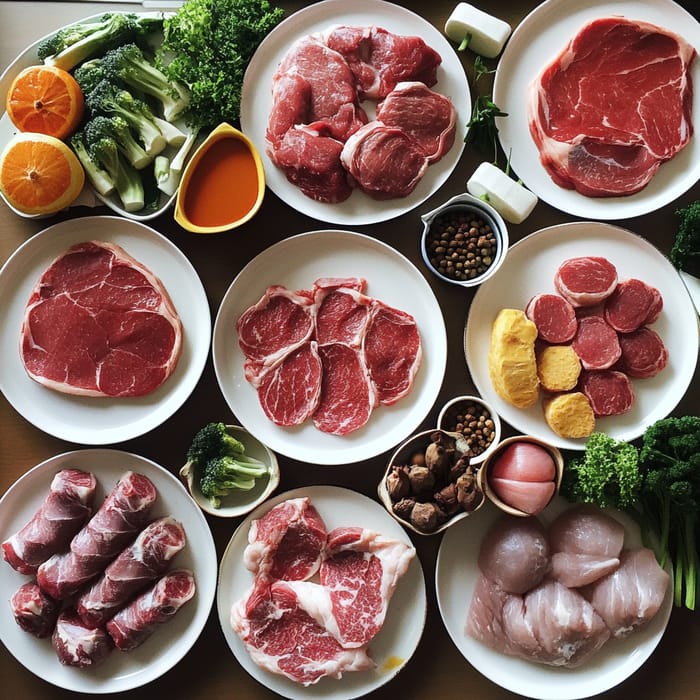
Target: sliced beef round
[554, 317]
[586, 281]
[99, 323]
[632, 304]
[643, 353]
[342, 311]
[596, 343]
[609, 391]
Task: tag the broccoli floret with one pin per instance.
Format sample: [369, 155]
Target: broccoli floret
[117, 128]
[98, 177]
[128, 64]
[213, 440]
[127, 181]
[225, 474]
[83, 40]
[89, 74]
[109, 99]
[685, 252]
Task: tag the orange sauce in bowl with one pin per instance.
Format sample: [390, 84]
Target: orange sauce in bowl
[224, 186]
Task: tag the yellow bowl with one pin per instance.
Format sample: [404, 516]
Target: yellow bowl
[223, 184]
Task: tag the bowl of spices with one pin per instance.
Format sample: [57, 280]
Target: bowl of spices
[464, 241]
[476, 421]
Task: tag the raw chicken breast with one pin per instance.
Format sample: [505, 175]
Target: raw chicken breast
[586, 529]
[575, 570]
[485, 615]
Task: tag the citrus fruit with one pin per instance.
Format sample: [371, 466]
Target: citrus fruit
[45, 100]
[39, 174]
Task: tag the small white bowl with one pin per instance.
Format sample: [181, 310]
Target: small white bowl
[238, 502]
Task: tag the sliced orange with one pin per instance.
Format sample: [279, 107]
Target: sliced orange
[39, 174]
[45, 100]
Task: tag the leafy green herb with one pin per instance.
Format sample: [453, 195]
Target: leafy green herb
[482, 131]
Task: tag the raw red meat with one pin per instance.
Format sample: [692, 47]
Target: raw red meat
[77, 644]
[287, 542]
[383, 161]
[64, 511]
[289, 391]
[586, 281]
[342, 310]
[596, 343]
[554, 317]
[347, 394]
[613, 106]
[632, 304]
[283, 638]
[99, 323]
[609, 391]
[120, 517]
[393, 352]
[428, 117]
[643, 353]
[33, 610]
[136, 622]
[136, 566]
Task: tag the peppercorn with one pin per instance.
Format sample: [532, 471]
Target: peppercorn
[474, 421]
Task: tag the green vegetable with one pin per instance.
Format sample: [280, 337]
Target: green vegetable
[89, 74]
[80, 41]
[221, 463]
[207, 46]
[685, 252]
[117, 129]
[100, 179]
[168, 171]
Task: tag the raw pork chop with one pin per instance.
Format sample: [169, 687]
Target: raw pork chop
[554, 317]
[613, 106]
[428, 117]
[609, 391]
[137, 565]
[287, 542]
[33, 610]
[135, 623]
[99, 323]
[64, 511]
[120, 517]
[283, 638]
[586, 281]
[596, 343]
[643, 353]
[632, 304]
[77, 644]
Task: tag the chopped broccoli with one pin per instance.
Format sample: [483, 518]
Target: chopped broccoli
[78, 42]
[100, 179]
[108, 99]
[168, 171]
[685, 252]
[211, 441]
[89, 74]
[127, 181]
[128, 64]
[116, 128]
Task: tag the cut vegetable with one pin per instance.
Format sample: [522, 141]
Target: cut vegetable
[512, 201]
[484, 33]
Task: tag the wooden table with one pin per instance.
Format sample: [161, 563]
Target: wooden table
[210, 671]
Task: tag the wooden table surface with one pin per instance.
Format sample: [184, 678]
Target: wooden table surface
[209, 671]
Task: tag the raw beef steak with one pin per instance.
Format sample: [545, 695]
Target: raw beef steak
[643, 353]
[596, 343]
[554, 317]
[632, 304]
[586, 281]
[342, 311]
[609, 391]
[99, 323]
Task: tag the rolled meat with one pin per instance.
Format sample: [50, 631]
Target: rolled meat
[33, 610]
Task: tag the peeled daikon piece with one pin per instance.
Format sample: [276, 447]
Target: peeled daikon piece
[512, 201]
[487, 34]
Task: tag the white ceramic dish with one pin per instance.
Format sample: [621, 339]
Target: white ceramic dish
[537, 40]
[170, 642]
[456, 574]
[297, 262]
[395, 643]
[89, 420]
[89, 197]
[256, 100]
[529, 268]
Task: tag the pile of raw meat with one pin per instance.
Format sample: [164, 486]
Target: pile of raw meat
[101, 580]
[319, 132]
[309, 629]
[613, 106]
[607, 322]
[330, 354]
[555, 596]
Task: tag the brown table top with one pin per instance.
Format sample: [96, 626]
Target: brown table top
[209, 670]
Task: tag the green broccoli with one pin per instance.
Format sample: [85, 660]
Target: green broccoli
[89, 74]
[685, 252]
[100, 179]
[116, 128]
[128, 64]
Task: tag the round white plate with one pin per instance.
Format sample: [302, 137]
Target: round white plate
[456, 574]
[89, 196]
[536, 41]
[297, 262]
[91, 420]
[529, 268]
[256, 102]
[395, 643]
[171, 641]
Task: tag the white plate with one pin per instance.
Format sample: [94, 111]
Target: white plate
[90, 420]
[456, 574]
[256, 101]
[297, 262]
[395, 643]
[537, 40]
[89, 196]
[529, 268]
[171, 641]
